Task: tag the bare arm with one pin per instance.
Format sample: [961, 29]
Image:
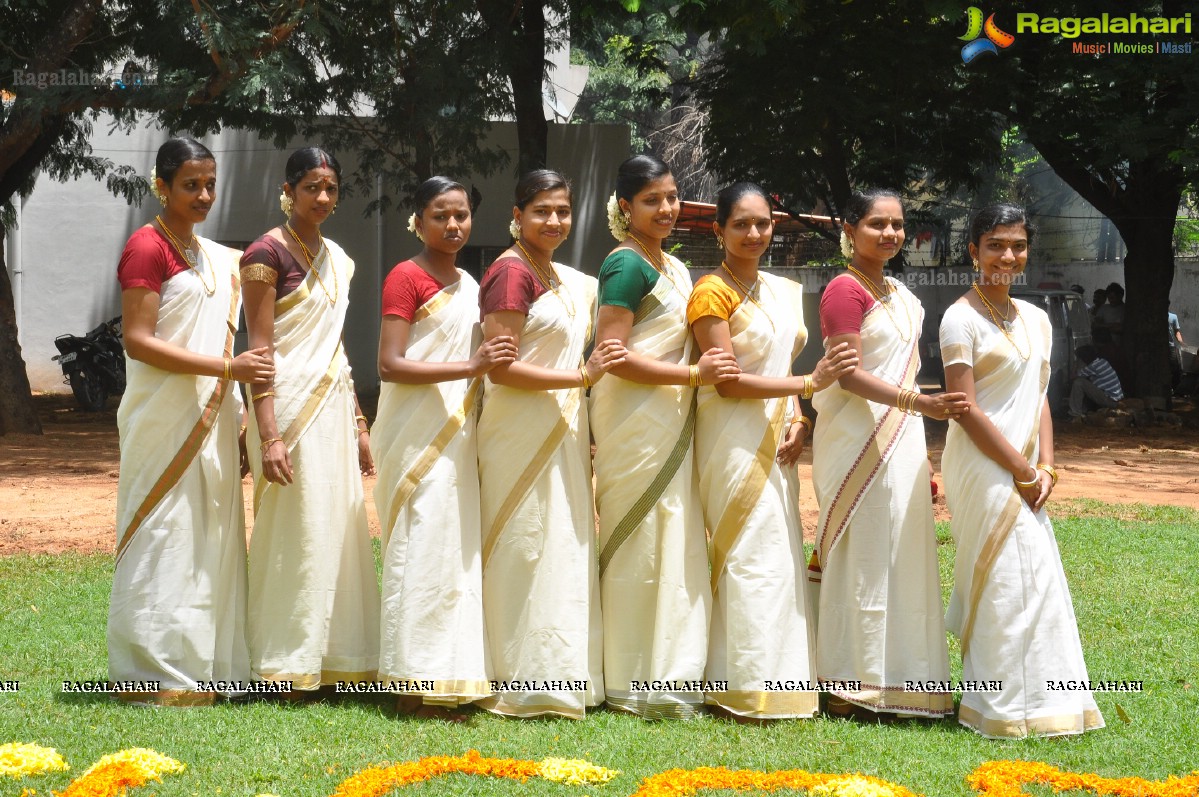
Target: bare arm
[616, 323]
[526, 376]
[139, 309]
[394, 365]
[862, 383]
[258, 300]
[713, 332]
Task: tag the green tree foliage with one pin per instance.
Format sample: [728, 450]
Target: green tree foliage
[815, 98]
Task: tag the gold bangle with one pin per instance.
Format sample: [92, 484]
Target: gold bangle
[256, 396]
[809, 387]
[360, 418]
[265, 444]
[228, 369]
[242, 430]
[586, 377]
[1032, 483]
[1050, 470]
[693, 379]
[805, 421]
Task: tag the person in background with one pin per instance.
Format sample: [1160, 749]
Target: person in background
[1098, 299]
[1176, 344]
[1096, 382]
[1111, 315]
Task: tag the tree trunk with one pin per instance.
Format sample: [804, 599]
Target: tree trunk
[1148, 276]
[526, 70]
[17, 411]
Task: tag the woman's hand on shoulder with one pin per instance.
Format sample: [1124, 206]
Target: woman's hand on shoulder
[500, 350]
[839, 361]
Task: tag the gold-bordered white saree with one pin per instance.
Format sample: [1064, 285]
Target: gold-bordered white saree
[881, 622]
[1011, 604]
[760, 631]
[427, 495]
[653, 560]
[314, 595]
[177, 612]
[540, 581]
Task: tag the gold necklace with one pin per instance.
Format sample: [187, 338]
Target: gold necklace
[993, 312]
[885, 300]
[311, 258]
[550, 277]
[659, 266]
[186, 253]
[748, 291]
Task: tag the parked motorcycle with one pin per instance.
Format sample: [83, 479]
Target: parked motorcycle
[93, 364]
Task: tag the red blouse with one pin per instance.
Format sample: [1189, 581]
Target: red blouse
[148, 261]
[270, 252]
[407, 288]
[843, 306]
[509, 284]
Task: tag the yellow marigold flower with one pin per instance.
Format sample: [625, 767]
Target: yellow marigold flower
[18, 760]
[145, 760]
[851, 786]
[574, 771]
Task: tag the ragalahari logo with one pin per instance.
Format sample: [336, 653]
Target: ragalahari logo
[975, 27]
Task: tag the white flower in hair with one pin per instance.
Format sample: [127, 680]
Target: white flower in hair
[412, 227]
[846, 244]
[161, 197]
[514, 229]
[618, 225]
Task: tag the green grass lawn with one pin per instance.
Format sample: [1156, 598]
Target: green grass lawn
[1131, 568]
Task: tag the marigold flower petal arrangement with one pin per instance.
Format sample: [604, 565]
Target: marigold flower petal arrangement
[684, 782]
[1007, 779]
[378, 781]
[18, 760]
[114, 773]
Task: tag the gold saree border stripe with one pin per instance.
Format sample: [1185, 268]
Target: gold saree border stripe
[685, 706]
[957, 353]
[498, 704]
[438, 302]
[766, 705]
[537, 464]
[996, 538]
[291, 435]
[192, 444]
[861, 474]
[654, 492]
[421, 466]
[309, 681]
[647, 307]
[461, 690]
[1053, 725]
[745, 497]
[304, 290]
[896, 699]
[178, 698]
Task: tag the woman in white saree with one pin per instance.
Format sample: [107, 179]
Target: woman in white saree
[653, 560]
[749, 433]
[314, 597]
[881, 624]
[540, 583]
[1010, 605]
[176, 617]
[427, 495]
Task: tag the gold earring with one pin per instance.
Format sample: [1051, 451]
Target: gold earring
[719, 242]
[976, 265]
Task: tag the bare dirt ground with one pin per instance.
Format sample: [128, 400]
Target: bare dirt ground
[58, 490]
